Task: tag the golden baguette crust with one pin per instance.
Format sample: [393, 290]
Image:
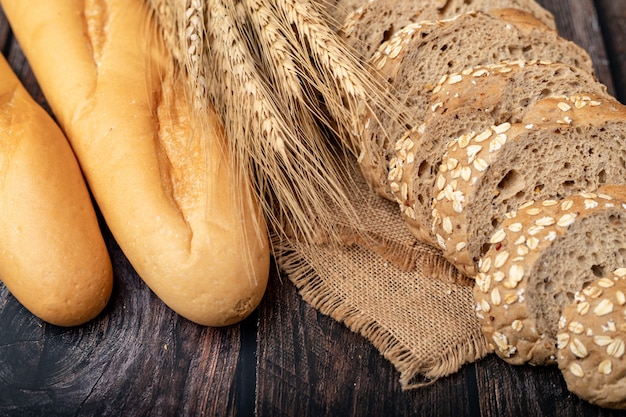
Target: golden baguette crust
[166, 187]
[53, 258]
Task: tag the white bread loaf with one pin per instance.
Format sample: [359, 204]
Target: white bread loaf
[419, 55]
[52, 255]
[543, 254]
[170, 193]
[564, 145]
[366, 28]
[471, 101]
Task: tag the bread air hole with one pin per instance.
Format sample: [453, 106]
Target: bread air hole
[598, 271]
[387, 34]
[423, 167]
[546, 92]
[512, 183]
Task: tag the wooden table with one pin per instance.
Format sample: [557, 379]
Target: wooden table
[140, 359]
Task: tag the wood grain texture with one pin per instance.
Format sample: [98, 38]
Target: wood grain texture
[317, 368]
[612, 19]
[137, 358]
[140, 359]
[577, 20]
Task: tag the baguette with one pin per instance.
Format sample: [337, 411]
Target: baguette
[175, 200]
[53, 258]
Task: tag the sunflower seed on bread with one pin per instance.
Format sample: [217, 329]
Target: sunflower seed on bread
[563, 146]
[419, 55]
[543, 254]
[472, 101]
[592, 342]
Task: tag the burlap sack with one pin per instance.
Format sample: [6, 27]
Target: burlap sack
[403, 296]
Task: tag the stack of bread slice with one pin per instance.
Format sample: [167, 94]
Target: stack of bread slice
[511, 159]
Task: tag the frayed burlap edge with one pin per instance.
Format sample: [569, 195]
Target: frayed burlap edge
[415, 371]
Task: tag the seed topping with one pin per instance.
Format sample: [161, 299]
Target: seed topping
[578, 348]
[576, 369]
[603, 308]
[562, 340]
[605, 367]
[498, 236]
[616, 348]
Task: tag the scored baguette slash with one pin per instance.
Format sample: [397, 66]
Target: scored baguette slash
[53, 258]
[176, 202]
[592, 342]
[520, 294]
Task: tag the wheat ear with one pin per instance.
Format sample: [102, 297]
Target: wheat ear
[281, 80]
[346, 85]
[292, 162]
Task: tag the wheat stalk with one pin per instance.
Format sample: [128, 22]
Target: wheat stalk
[277, 51]
[291, 158]
[281, 80]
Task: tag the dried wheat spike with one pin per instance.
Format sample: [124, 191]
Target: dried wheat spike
[291, 158]
[281, 79]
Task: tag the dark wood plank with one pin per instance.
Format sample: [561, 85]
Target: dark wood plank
[138, 358]
[5, 33]
[311, 365]
[577, 20]
[612, 16]
[530, 391]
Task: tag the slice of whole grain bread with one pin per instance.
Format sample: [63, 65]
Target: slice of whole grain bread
[367, 27]
[548, 251]
[563, 146]
[472, 101]
[418, 56]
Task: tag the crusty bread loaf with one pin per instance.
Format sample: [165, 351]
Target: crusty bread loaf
[591, 342]
[563, 146]
[542, 254]
[366, 28]
[418, 56]
[170, 193]
[52, 255]
[472, 101]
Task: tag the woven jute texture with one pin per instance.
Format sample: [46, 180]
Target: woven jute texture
[403, 296]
